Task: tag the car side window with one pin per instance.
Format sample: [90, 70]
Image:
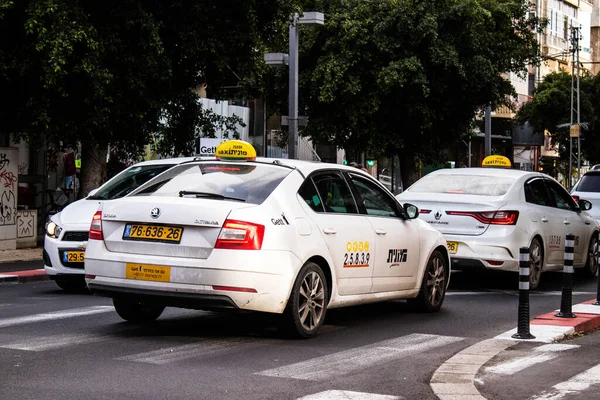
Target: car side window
[335, 193]
[563, 199]
[309, 194]
[536, 193]
[376, 201]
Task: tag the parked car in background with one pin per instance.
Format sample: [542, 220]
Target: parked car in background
[67, 231]
[588, 188]
[280, 236]
[487, 214]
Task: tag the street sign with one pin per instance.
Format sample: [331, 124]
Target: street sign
[302, 121]
[574, 131]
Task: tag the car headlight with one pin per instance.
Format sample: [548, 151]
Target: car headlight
[53, 230]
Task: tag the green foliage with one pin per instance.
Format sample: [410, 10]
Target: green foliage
[550, 109]
[406, 76]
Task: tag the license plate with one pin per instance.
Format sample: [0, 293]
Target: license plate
[73, 256]
[147, 272]
[452, 247]
[157, 233]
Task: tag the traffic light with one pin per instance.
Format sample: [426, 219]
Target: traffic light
[370, 163]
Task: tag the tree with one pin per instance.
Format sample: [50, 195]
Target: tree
[550, 109]
[407, 76]
[119, 71]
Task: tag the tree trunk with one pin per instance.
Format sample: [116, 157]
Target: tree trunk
[93, 168]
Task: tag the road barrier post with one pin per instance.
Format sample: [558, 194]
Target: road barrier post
[597, 303]
[523, 319]
[566, 300]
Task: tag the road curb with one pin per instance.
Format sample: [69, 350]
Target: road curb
[455, 378]
[36, 275]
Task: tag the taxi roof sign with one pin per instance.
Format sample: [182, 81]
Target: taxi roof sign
[496, 161]
[235, 150]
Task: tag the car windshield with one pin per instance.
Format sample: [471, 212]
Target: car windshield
[463, 184]
[247, 182]
[128, 181]
[589, 183]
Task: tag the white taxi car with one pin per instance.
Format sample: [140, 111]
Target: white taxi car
[487, 214]
[67, 231]
[278, 236]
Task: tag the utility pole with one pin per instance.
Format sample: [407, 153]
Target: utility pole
[575, 128]
[488, 130]
[293, 90]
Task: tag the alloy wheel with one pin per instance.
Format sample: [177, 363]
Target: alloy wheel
[535, 264]
[436, 281]
[311, 301]
[593, 256]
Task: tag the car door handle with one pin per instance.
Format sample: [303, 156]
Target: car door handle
[544, 219]
[380, 231]
[567, 222]
[329, 231]
[588, 223]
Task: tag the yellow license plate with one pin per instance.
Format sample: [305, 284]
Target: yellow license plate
[452, 247]
[147, 272]
[73, 256]
[153, 232]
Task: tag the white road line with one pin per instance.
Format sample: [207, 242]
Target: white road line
[55, 342]
[347, 361]
[55, 315]
[547, 353]
[575, 385]
[204, 348]
[347, 395]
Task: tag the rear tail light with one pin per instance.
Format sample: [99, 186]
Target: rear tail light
[490, 217]
[495, 263]
[96, 227]
[423, 211]
[576, 198]
[240, 235]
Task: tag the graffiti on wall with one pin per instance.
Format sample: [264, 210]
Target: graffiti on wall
[26, 224]
[8, 187]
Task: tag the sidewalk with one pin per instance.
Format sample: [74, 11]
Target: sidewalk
[22, 265]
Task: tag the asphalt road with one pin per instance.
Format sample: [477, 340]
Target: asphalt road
[72, 346]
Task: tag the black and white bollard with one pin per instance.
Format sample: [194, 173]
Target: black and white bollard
[566, 300]
[597, 303]
[523, 321]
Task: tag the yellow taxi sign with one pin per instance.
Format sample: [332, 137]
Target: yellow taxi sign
[235, 150]
[496, 161]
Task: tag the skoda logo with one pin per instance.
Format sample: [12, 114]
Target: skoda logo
[438, 215]
[155, 212]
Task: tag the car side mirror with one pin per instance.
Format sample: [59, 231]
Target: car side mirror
[584, 205]
[411, 211]
[93, 192]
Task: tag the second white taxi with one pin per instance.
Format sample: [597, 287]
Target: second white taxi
[278, 236]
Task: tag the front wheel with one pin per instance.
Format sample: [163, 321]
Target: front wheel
[307, 305]
[591, 266]
[433, 288]
[136, 311]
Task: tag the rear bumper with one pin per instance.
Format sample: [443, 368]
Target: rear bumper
[248, 280]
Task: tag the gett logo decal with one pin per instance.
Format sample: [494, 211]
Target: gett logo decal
[397, 255]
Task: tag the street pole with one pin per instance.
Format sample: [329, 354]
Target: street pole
[293, 90]
[488, 130]
[578, 113]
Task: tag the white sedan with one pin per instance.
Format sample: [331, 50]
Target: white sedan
[487, 214]
[278, 236]
[67, 231]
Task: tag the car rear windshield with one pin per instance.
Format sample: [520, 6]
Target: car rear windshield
[248, 182]
[129, 180]
[589, 183]
[463, 184]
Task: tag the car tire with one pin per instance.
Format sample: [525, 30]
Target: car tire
[72, 285]
[135, 311]
[433, 286]
[536, 263]
[591, 266]
[307, 304]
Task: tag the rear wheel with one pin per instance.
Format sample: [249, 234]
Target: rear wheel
[307, 305]
[591, 266]
[536, 262]
[433, 288]
[137, 311]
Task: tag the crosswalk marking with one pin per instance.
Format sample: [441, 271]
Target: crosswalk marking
[55, 342]
[55, 315]
[348, 361]
[576, 384]
[546, 353]
[347, 395]
[209, 347]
